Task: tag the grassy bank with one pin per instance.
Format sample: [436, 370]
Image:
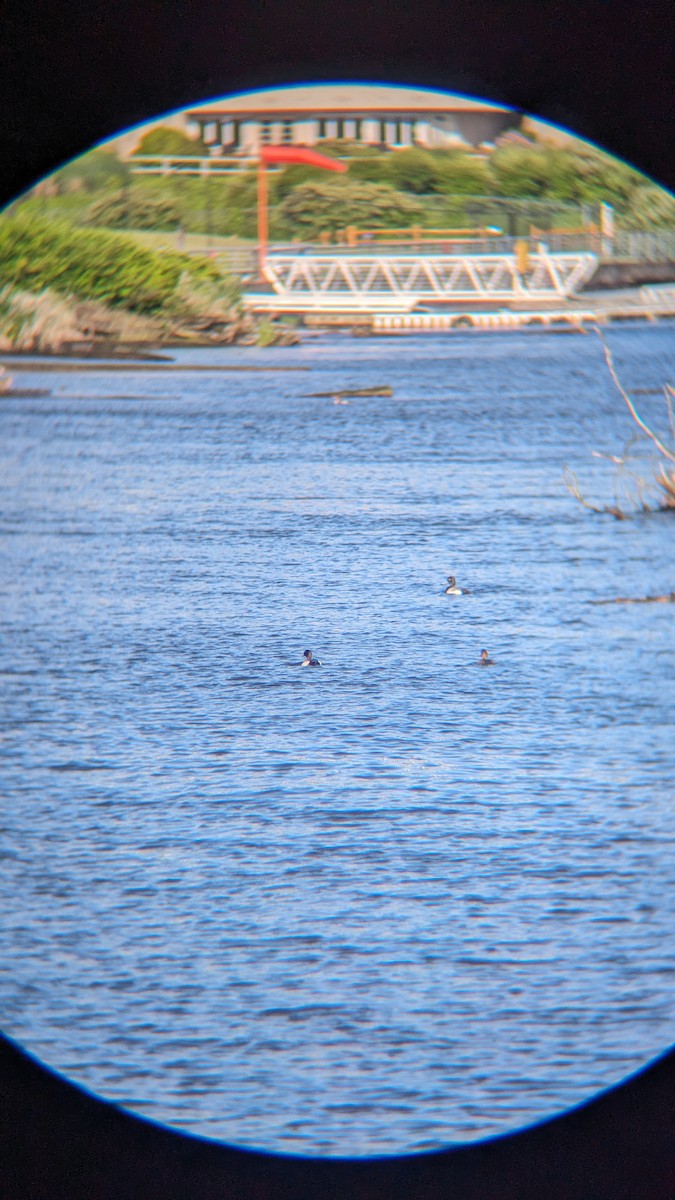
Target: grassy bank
[64, 286]
[94, 264]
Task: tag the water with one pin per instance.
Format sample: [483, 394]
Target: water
[393, 903]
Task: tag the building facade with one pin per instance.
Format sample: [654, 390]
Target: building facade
[381, 117]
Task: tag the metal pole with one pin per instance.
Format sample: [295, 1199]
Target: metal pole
[262, 218]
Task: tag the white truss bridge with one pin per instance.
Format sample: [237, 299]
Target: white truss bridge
[400, 283]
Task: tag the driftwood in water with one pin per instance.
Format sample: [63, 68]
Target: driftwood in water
[344, 393]
[667, 599]
[26, 393]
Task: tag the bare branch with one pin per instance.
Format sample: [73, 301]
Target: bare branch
[572, 486]
[609, 359]
[669, 394]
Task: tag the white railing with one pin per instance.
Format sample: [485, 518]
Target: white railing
[398, 283]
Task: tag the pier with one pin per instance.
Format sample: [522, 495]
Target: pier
[388, 290]
[378, 283]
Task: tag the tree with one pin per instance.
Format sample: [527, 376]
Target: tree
[373, 169]
[650, 207]
[131, 209]
[282, 185]
[91, 172]
[163, 140]
[344, 148]
[315, 208]
[461, 174]
[520, 171]
[412, 170]
[601, 177]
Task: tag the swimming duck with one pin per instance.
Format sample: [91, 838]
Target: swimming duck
[453, 590]
[308, 660]
[485, 660]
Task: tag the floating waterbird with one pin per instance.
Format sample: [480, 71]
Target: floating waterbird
[485, 660]
[453, 590]
[308, 660]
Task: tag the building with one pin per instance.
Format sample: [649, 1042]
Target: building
[374, 115]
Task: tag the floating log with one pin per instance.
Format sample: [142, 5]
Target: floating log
[26, 393]
[667, 599]
[346, 393]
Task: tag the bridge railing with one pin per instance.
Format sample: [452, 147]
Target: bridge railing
[637, 246]
[653, 245]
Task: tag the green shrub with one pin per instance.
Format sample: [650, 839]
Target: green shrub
[342, 148]
[93, 264]
[651, 207]
[520, 171]
[267, 334]
[371, 169]
[130, 208]
[171, 142]
[601, 177]
[412, 170]
[315, 208]
[92, 171]
[281, 185]
[461, 174]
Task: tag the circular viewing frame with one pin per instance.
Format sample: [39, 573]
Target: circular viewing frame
[58, 1140]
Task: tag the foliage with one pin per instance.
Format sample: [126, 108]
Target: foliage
[163, 140]
[315, 208]
[194, 296]
[601, 177]
[373, 168]
[131, 208]
[520, 171]
[39, 323]
[462, 175]
[93, 264]
[267, 334]
[424, 172]
[412, 170]
[651, 207]
[91, 172]
[237, 211]
[448, 187]
[343, 148]
[282, 185]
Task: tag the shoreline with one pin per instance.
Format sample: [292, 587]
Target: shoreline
[32, 362]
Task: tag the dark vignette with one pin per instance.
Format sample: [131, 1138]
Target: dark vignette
[73, 74]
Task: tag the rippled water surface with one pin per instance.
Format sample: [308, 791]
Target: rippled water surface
[388, 904]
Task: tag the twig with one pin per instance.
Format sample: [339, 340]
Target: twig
[572, 485]
[609, 359]
[669, 394]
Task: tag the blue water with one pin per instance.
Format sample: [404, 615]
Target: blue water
[387, 904]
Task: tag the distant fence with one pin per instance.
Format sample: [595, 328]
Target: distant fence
[657, 246]
[185, 164]
[236, 260]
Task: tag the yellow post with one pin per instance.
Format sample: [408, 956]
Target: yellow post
[262, 218]
[522, 257]
[351, 235]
